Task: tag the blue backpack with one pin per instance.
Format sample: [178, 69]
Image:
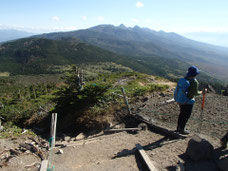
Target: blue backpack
[181, 92]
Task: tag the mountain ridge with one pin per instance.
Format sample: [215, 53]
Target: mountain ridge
[138, 41]
[42, 56]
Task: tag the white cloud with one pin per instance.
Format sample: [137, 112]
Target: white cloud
[84, 18]
[135, 20]
[148, 21]
[139, 4]
[55, 18]
[100, 18]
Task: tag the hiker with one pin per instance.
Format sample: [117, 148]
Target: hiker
[224, 141]
[185, 91]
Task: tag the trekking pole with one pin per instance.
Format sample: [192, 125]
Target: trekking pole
[202, 107]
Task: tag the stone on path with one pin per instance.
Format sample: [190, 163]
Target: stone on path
[60, 151]
[67, 138]
[80, 136]
[199, 149]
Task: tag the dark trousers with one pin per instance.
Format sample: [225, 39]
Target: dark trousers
[185, 113]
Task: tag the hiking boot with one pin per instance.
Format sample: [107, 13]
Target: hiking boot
[223, 143]
[182, 131]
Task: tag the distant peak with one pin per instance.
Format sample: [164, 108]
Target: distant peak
[136, 27]
[122, 26]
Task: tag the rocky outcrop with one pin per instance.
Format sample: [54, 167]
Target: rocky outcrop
[199, 149]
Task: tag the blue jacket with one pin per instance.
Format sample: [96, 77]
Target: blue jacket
[181, 92]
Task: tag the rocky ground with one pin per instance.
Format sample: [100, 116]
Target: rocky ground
[214, 114]
[118, 151]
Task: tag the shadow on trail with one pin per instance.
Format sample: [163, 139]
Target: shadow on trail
[219, 155]
[140, 163]
[154, 145]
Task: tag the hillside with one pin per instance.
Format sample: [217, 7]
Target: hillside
[45, 56]
[38, 56]
[145, 42]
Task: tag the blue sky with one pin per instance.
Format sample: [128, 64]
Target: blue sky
[178, 16]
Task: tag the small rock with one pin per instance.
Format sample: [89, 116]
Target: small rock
[80, 136]
[27, 151]
[162, 94]
[60, 151]
[143, 126]
[119, 126]
[67, 138]
[145, 99]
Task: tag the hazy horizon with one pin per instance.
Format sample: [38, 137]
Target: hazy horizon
[170, 16]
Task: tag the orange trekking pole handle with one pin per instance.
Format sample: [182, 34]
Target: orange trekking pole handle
[202, 107]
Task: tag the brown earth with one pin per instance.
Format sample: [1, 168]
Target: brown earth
[117, 151]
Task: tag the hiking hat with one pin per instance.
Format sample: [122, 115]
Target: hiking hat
[192, 71]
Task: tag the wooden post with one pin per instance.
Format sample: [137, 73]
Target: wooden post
[53, 128]
[145, 158]
[44, 165]
[125, 100]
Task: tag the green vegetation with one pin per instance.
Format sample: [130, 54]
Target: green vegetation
[97, 101]
[12, 131]
[29, 100]
[40, 56]
[28, 105]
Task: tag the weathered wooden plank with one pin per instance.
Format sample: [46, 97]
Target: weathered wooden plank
[145, 157]
[124, 129]
[44, 165]
[159, 129]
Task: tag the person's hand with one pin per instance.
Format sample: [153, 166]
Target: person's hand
[204, 91]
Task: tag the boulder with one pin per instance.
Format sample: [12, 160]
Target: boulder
[199, 149]
[223, 164]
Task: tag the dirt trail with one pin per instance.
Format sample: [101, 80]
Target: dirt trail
[117, 152]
